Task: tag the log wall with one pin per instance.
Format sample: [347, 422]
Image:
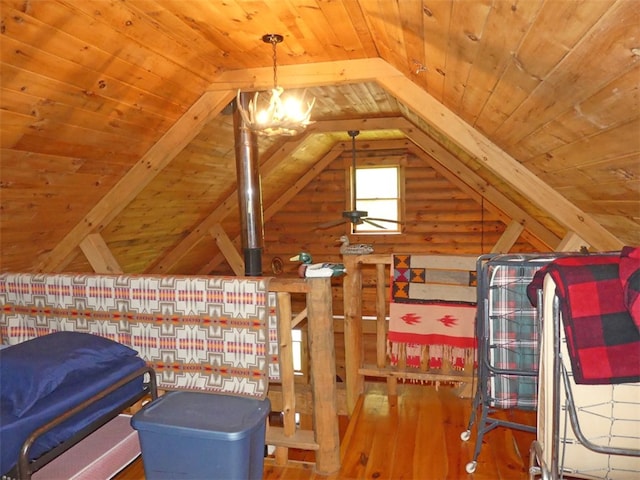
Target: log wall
[439, 219]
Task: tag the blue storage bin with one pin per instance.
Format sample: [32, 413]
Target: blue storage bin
[188, 435]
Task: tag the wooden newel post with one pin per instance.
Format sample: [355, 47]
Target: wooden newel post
[352, 295]
[323, 375]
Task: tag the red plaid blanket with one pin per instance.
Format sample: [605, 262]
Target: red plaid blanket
[602, 339]
[630, 278]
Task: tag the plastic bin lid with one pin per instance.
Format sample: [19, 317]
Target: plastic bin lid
[202, 415]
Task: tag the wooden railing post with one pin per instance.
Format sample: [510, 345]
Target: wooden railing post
[352, 298]
[323, 375]
[286, 374]
[450, 281]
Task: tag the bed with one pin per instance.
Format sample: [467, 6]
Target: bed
[507, 332]
[185, 328]
[588, 425]
[59, 388]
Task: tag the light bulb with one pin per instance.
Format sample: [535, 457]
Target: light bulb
[293, 109]
[262, 117]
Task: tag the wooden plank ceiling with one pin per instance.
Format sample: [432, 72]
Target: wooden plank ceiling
[115, 137]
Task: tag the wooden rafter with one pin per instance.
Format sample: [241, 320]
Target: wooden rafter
[221, 92]
[138, 177]
[498, 161]
[98, 254]
[452, 168]
[440, 118]
[267, 164]
[288, 195]
[509, 238]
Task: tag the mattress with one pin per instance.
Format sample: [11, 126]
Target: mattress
[15, 430]
[511, 331]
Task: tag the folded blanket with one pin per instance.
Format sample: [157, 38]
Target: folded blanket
[630, 279]
[418, 316]
[602, 339]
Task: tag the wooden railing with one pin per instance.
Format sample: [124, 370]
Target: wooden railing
[356, 369]
[322, 398]
[324, 439]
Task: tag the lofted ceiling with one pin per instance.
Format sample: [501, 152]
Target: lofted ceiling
[116, 140]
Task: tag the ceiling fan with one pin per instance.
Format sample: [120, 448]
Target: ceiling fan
[355, 216]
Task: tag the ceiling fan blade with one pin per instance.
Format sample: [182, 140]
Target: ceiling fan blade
[384, 220]
[334, 223]
[368, 220]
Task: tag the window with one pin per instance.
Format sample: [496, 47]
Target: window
[378, 194]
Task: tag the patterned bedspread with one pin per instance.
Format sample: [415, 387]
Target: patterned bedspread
[198, 333]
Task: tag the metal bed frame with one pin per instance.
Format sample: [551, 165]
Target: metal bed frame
[483, 400]
[25, 468]
[555, 470]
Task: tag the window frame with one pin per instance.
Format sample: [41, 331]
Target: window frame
[387, 161]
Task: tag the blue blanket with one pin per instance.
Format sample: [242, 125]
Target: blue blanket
[15, 430]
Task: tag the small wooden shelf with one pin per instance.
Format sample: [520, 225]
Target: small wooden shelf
[433, 376]
[302, 439]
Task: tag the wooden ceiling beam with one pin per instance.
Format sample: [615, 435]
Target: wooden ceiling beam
[452, 168]
[98, 254]
[222, 91]
[302, 75]
[571, 243]
[270, 161]
[440, 118]
[508, 238]
[228, 250]
[379, 145]
[497, 160]
[362, 124]
[291, 192]
[138, 177]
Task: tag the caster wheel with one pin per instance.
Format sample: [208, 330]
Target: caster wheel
[471, 467]
[466, 435]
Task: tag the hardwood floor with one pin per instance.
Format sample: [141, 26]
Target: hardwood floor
[417, 438]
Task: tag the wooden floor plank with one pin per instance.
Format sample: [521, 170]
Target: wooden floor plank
[402, 455]
[415, 437]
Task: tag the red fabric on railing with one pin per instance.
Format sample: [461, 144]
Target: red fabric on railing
[416, 319]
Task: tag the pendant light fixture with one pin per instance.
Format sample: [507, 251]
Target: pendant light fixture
[282, 115]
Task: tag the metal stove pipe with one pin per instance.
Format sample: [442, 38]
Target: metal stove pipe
[249, 191]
